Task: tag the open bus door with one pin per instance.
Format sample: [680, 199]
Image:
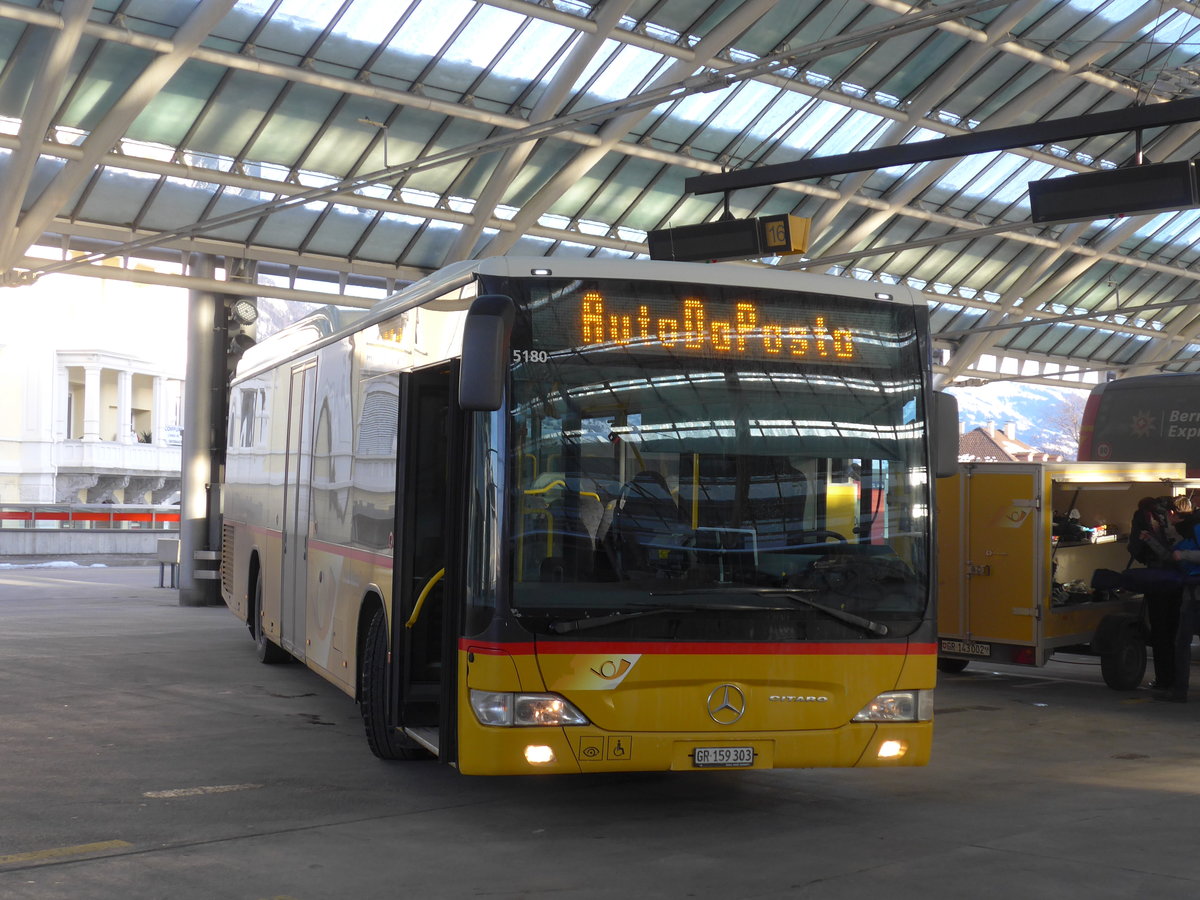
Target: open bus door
[429, 525]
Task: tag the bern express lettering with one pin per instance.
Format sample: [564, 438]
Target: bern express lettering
[693, 327]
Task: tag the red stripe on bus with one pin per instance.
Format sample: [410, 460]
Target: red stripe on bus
[19, 516]
[133, 517]
[696, 648]
[367, 556]
[522, 648]
[53, 516]
[494, 649]
[168, 517]
[91, 517]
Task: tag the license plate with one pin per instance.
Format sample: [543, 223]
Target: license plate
[723, 756]
[967, 648]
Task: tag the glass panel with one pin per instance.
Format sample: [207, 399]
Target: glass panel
[428, 28]
[366, 19]
[296, 24]
[534, 47]
[477, 45]
[620, 75]
[733, 453]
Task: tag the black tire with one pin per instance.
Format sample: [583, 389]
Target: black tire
[268, 651]
[1123, 662]
[952, 666]
[385, 742]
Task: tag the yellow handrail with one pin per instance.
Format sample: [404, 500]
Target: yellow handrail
[560, 483]
[412, 620]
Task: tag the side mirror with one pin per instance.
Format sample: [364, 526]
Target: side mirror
[485, 347]
[944, 444]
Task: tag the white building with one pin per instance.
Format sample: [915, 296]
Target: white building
[91, 388]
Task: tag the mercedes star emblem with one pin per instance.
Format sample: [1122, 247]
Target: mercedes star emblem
[726, 704]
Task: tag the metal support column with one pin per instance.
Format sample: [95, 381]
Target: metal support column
[199, 457]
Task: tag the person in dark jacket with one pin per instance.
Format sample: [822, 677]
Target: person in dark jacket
[1149, 533]
[1150, 539]
[1186, 554]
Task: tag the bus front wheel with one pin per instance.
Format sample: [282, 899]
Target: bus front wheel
[385, 741]
[267, 650]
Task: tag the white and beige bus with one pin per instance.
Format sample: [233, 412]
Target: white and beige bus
[555, 515]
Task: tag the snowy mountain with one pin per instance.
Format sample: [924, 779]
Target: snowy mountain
[275, 315]
[1046, 418]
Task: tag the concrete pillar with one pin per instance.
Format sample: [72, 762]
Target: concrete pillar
[198, 461]
[124, 406]
[29, 418]
[157, 419]
[62, 392]
[91, 403]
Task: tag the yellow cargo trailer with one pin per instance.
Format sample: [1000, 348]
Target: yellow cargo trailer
[1015, 565]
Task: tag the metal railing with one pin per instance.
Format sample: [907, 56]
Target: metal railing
[91, 516]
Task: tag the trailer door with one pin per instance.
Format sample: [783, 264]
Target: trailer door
[1005, 554]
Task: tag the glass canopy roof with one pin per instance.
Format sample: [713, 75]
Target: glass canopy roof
[349, 146]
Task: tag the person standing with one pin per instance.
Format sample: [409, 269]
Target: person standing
[1186, 554]
[1150, 540]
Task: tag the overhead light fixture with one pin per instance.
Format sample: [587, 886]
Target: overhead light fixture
[239, 344]
[540, 272]
[244, 311]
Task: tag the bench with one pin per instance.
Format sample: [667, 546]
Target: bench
[168, 555]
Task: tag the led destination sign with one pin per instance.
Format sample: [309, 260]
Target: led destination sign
[740, 329]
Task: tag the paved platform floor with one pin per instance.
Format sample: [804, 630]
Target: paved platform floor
[145, 753]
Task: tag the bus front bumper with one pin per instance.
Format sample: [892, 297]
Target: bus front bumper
[581, 749]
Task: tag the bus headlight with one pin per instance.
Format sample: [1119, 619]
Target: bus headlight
[507, 709]
[898, 706]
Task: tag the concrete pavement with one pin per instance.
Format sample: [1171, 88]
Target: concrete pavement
[146, 753]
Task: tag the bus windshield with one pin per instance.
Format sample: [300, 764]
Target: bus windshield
[746, 456]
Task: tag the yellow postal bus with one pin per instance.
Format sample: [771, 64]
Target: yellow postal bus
[550, 515]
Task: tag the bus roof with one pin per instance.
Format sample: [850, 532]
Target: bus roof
[333, 323]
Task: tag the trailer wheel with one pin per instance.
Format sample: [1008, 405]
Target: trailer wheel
[1123, 660]
[946, 664]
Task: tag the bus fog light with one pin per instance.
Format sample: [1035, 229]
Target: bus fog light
[892, 750]
[539, 755]
[506, 709]
[898, 706]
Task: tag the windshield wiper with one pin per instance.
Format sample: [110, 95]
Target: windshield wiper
[568, 625]
[797, 596]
